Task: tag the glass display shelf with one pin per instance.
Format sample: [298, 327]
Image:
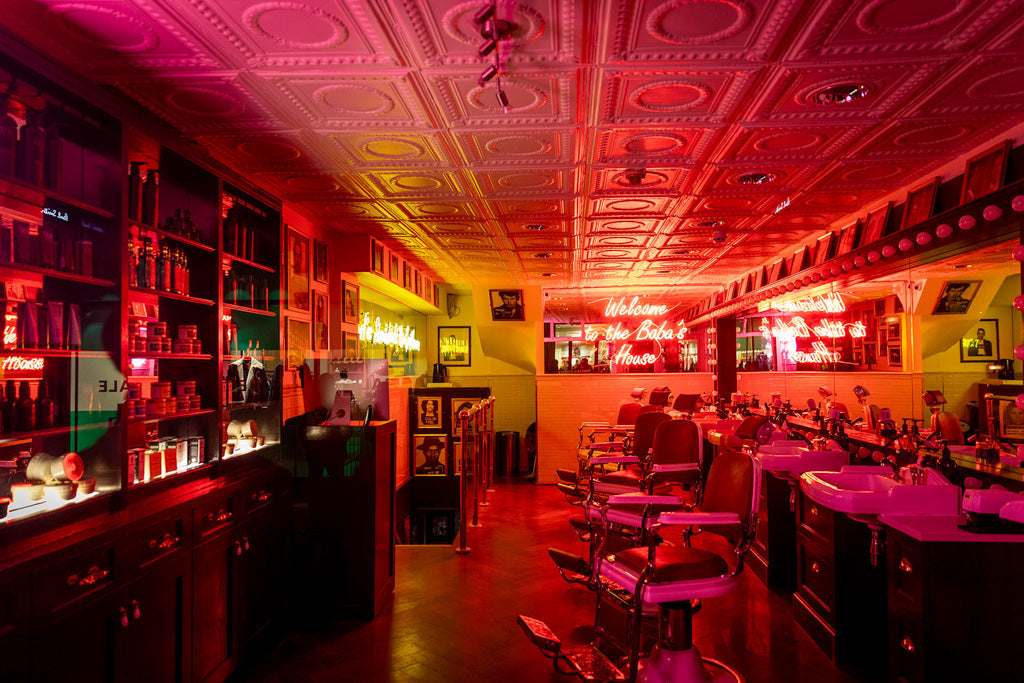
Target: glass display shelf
[173, 236]
[172, 356]
[61, 274]
[20, 190]
[231, 258]
[150, 419]
[54, 353]
[171, 295]
[246, 309]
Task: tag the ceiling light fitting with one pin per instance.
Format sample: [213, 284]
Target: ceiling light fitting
[756, 178]
[543, 254]
[502, 99]
[535, 226]
[635, 176]
[489, 73]
[840, 94]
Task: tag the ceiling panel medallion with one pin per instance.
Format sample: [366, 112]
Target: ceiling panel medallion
[654, 144]
[522, 97]
[883, 17]
[392, 148]
[518, 146]
[697, 22]
[354, 99]
[204, 101]
[669, 96]
[104, 27]
[269, 150]
[296, 25]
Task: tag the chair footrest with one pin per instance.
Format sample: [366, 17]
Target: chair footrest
[592, 664]
[579, 524]
[569, 562]
[570, 490]
[539, 634]
[568, 476]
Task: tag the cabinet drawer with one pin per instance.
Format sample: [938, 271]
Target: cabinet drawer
[258, 496]
[817, 577]
[816, 518]
[906, 650]
[71, 581]
[216, 514]
[906, 569]
[156, 541]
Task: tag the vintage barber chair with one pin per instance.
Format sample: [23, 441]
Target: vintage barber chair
[673, 577]
[945, 425]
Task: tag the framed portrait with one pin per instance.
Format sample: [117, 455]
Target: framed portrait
[458, 405]
[984, 173]
[894, 332]
[428, 412]
[848, 239]
[418, 278]
[320, 330]
[454, 346]
[396, 270]
[378, 257]
[298, 342]
[920, 203]
[430, 454]
[874, 225]
[1011, 420]
[406, 276]
[507, 304]
[350, 345]
[440, 526]
[981, 343]
[869, 353]
[349, 302]
[956, 296]
[880, 307]
[895, 356]
[858, 357]
[824, 250]
[319, 261]
[298, 271]
[869, 324]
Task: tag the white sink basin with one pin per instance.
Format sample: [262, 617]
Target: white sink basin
[871, 490]
[796, 460]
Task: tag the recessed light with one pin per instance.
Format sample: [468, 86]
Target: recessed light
[535, 226]
[707, 224]
[543, 254]
[756, 178]
[681, 251]
[547, 274]
[840, 94]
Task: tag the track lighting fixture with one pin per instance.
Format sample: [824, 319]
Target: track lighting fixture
[487, 47]
[503, 99]
[484, 13]
[489, 73]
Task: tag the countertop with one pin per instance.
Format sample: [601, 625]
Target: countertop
[943, 529]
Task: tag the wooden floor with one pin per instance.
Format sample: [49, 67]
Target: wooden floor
[453, 616]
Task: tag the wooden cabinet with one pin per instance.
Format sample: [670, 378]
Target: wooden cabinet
[840, 600]
[954, 610]
[773, 556]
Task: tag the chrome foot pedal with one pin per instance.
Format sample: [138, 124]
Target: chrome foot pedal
[592, 665]
[571, 491]
[569, 562]
[581, 527]
[540, 635]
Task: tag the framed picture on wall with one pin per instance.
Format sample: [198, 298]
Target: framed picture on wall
[349, 302]
[298, 342]
[428, 412]
[460, 403]
[507, 304]
[894, 332]
[984, 173]
[320, 329]
[981, 343]
[319, 261]
[396, 269]
[454, 346]
[350, 345]
[874, 226]
[429, 454]
[298, 272]
[956, 296]
[895, 357]
[378, 257]
[848, 239]
[869, 353]
[920, 203]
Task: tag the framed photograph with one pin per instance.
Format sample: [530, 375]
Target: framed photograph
[848, 239]
[874, 225]
[507, 304]
[406, 276]
[984, 173]
[869, 324]
[396, 270]
[858, 357]
[298, 342]
[981, 343]
[920, 203]
[350, 302]
[440, 527]
[454, 346]
[378, 257]
[321, 340]
[895, 357]
[869, 354]
[428, 412]
[1011, 421]
[880, 307]
[956, 296]
[894, 332]
[460, 403]
[298, 271]
[350, 345]
[824, 250]
[418, 277]
[319, 261]
[429, 454]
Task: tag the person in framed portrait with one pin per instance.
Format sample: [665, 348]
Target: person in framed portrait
[953, 299]
[430, 416]
[979, 346]
[432, 448]
[511, 307]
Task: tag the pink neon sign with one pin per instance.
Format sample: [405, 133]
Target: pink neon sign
[618, 308]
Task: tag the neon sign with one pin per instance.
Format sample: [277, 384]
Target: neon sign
[12, 363]
[648, 331]
[618, 308]
[388, 334]
[624, 356]
[823, 303]
[820, 354]
[798, 328]
[452, 347]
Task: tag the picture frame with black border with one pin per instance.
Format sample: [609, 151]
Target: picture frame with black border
[455, 345]
[980, 343]
[985, 172]
[297, 264]
[507, 304]
[956, 297]
[875, 224]
[894, 331]
[319, 261]
[395, 274]
[848, 239]
[349, 302]
[920, 203]
[880, 307]
[429, 455]
[428, 412]
[321, 340]
[895, 356]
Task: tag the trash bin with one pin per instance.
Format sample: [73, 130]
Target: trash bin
[506, 453]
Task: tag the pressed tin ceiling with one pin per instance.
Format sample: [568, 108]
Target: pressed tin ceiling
[368, 116]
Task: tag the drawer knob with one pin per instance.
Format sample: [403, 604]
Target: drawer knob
[815, 568]
[95, 575]
[124, 618]
[814, 510]
[905, 566]
[220, 516]
[907, 644]
[261, 497]
[168, 541]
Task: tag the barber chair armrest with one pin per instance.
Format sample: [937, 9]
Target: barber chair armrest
[603, 425]
[642, 499]
[676, 467]
[612, 459]
[605, 446]
[700, 518]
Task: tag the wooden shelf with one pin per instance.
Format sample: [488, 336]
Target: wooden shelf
[173, 416]
[172, 236]
[15, 438]
[50, 272]
[36, 195]
[54, 353]
[246, 309]
[172, 295]
[231, 258]
[172, 356]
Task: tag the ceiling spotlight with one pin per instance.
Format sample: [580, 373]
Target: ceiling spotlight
[718, 236]
[635, 176]
[840, 94]
[503, 99]
[535, 226]
[542, 254]
[756, 178]
[547, 274]
[489, 73]
[487, 48]
[484, 13]
[707, 224]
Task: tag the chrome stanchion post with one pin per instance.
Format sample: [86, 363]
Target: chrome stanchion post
[477, 456]
[485, 460]
[489, 436]
[464, 432]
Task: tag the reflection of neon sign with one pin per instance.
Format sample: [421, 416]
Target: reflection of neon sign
[648, 331]
[12, 363]
[823, 303]
[624, 356]
[388, 334]
[618, 308]
[798, 328]
[820, 354]
[453, 348]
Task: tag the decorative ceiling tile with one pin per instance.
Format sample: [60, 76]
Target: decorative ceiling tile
[518, 147]
[384, 150]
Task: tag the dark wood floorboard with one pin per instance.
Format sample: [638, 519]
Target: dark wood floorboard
[452, 617]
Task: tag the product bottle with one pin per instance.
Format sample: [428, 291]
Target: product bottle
[167, 274]
[189, 227]
[133, 263]
[188, 275]
[177, 224]
[54, 164]
[151, 198]
[231, 232]
[24, 413]
[43, 406]
[135, 190]
[8, 138]
[7, 407]
[33, 148]
[150, 265]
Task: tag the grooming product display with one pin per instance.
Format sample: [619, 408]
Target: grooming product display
[135, 190]
[32, 148]
[151, 198]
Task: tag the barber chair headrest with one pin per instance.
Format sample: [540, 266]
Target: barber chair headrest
[860, 392]
[638, 393]
[824, 392]
[933, 398]
[660, 396]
